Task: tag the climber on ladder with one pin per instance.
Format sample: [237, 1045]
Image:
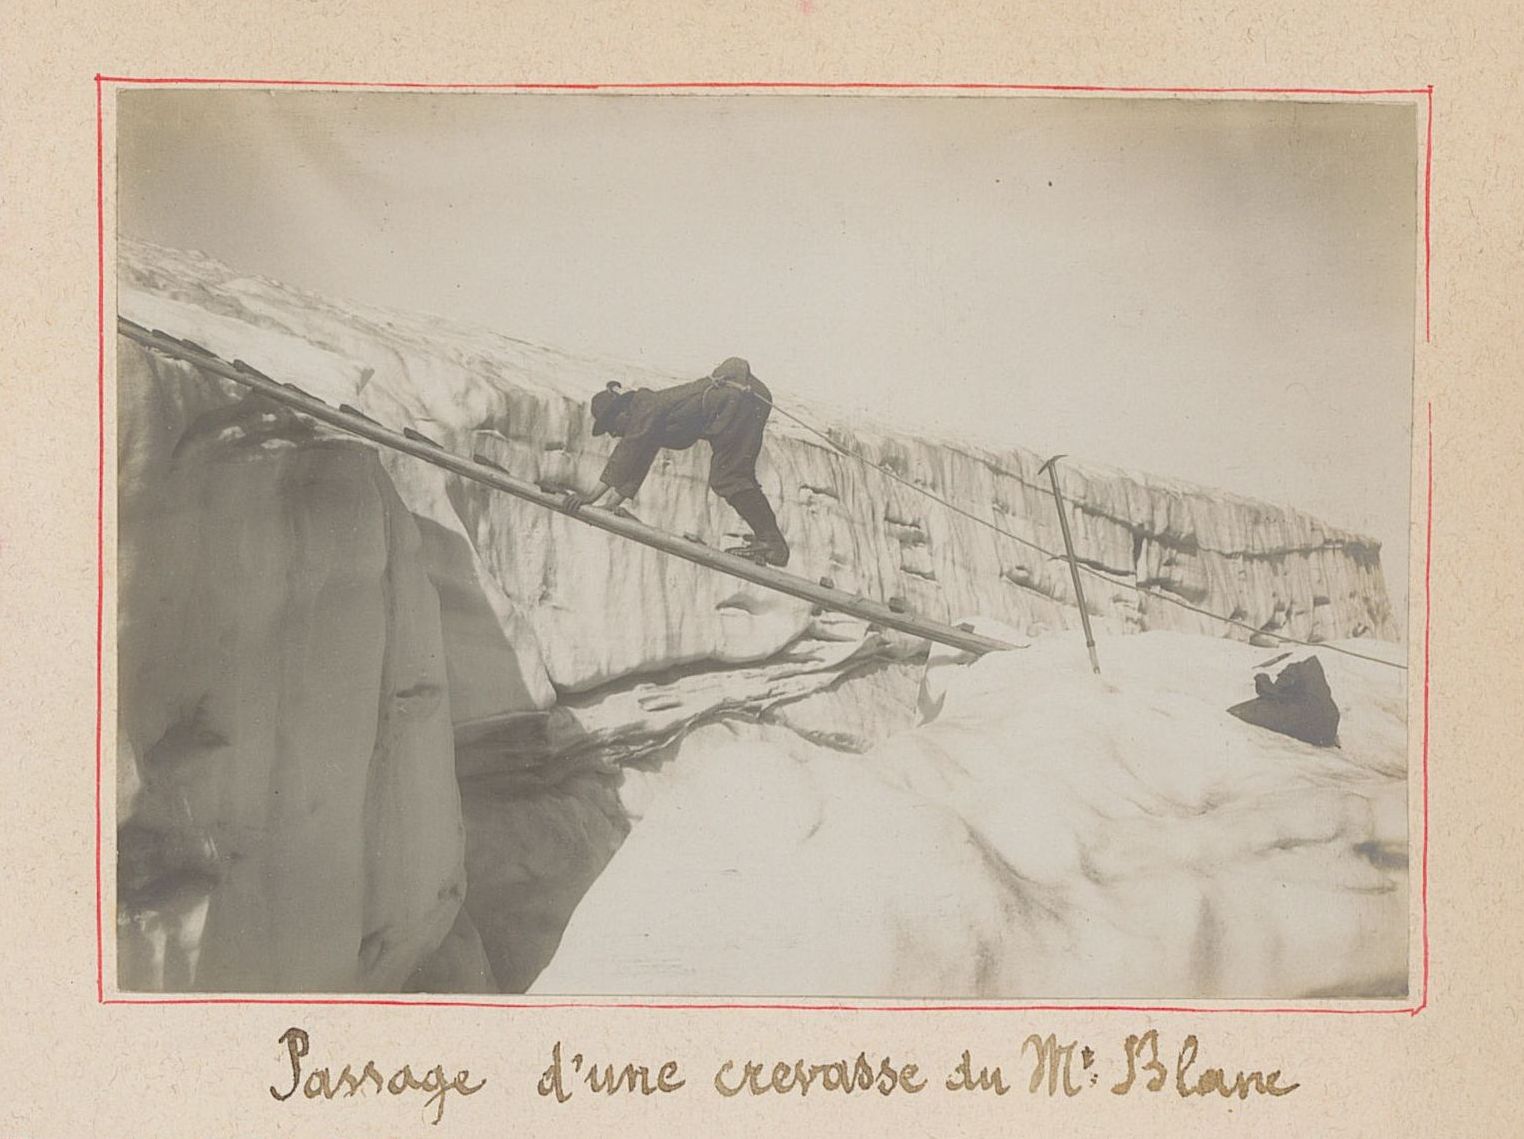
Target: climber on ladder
[729, 408]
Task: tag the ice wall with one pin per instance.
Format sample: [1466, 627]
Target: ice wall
[288, 814]
[578, 609]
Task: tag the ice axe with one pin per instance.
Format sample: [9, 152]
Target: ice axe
[1079, 590]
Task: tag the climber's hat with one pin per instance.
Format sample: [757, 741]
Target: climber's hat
[734, 371]
[607, 404]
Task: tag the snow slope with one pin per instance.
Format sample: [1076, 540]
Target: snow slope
[1048, 834]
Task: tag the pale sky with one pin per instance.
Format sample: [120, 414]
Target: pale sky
[1221, 291]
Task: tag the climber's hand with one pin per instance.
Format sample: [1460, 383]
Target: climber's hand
[602, 495]
[575, 500]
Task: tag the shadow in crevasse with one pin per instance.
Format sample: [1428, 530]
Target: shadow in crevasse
[543, 818]
[540, 804]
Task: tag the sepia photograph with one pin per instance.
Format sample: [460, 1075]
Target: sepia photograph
[896, 547]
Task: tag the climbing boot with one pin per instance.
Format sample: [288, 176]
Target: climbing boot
[767, 546]
[770, 550]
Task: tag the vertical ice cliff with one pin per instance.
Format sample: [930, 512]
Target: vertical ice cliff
[290, 818]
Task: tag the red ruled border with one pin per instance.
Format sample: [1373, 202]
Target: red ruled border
[100, 530]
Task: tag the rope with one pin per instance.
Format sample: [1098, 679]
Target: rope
[1091, 570]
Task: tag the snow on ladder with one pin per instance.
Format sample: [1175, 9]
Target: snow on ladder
[482, 470]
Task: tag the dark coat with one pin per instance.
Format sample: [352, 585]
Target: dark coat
[731, 417]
